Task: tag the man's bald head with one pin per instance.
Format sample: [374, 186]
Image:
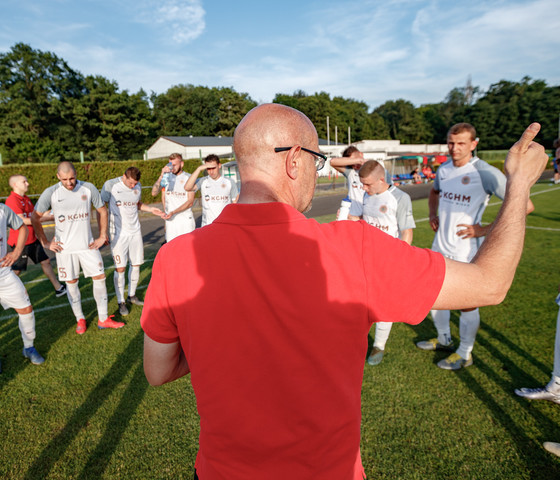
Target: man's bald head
[14, 179]
[66, 173]
[266, 127]
[65, 167]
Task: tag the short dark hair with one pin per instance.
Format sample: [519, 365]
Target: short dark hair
[212, 158]
[462, 127]
[370, 167]
[133, 172]
[349, 151]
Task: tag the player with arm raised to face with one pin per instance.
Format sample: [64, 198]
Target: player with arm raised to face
[123, 195]
[215, 191]
[73, 243]
[461, 191]
[12, 292]
[389, 209]
[176, 201]
[20, 203]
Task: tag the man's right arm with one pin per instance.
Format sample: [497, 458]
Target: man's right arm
[191, 182]
[163, 362]
[487, 279]
[433, 205]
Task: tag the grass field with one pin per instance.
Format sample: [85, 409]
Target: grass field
[88, 412]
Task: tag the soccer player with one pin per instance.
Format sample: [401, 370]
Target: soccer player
[123, 195]
[461, 191]
[551, 391]
[20, 203]
[73, 243]
[349, 165]
[389, 209]
[297, 289]
[12, 292]
[176, 201]
[216, 191]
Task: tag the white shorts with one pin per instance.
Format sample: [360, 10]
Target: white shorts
[12, 292]
[179, 224]
[128, 247]
[68, 264]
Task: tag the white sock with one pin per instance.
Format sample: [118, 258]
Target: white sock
[133, 277]
[382, 331]
[468, 326]
[75, 299]
[27, 328]
[556, 371]
[100, 295]
[118, 279]
[441, 322]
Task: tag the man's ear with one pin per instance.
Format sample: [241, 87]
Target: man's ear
[292, 161]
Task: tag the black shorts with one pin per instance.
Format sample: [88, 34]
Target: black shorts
[34, 251]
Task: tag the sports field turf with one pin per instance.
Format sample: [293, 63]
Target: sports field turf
[88, 412]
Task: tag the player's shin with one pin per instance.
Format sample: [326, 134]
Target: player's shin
[100, 295]
[119, 279]
[133, 277]
[27, 328]
[75, 299]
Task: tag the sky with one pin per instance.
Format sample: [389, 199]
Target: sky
[372, 51]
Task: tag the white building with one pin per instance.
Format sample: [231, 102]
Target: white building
[191, 147]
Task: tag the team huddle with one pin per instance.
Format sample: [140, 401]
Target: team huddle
[69, 204]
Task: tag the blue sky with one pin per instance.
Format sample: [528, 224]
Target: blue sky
[372, 51]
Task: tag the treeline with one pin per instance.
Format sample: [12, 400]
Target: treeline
[50, 112]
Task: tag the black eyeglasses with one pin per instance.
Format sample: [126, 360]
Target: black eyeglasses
[319, 158]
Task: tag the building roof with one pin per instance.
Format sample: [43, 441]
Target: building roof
[191, 141]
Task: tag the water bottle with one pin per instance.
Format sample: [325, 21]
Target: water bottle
[165, 177]
[344, 209]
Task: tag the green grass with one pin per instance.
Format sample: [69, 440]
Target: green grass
[88, 412]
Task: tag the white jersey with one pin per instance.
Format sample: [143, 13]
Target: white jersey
[390, 211]
[8, 219]
[215, 195]
[175, 194]
[355, 188]
[464, 193]
[123, 207]
[72, 213]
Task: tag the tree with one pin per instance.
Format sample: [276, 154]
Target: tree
[404, 121]
[200, 111]
[36, 90]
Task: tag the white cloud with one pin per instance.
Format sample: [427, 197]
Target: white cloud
[184, 19]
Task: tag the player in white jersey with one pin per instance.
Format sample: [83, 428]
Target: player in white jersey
[215, 191]
[123, 195]
[461, 191]
[349, 165]
[389, 209]
[176, 201]
[12, 292]
[73, 243]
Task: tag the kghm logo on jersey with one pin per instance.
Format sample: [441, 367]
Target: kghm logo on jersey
[118, 203]
[206, 198]
[61, 218]
[383, 208]
[466, 180]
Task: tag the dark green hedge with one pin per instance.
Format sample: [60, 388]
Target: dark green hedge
[43, 175]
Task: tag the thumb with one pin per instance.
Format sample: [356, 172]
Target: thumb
[528, 136]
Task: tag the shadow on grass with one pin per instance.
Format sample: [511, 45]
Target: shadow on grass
[530, 452]
[100, 458]
[536, 459]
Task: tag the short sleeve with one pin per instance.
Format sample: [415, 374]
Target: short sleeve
[157, 319]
